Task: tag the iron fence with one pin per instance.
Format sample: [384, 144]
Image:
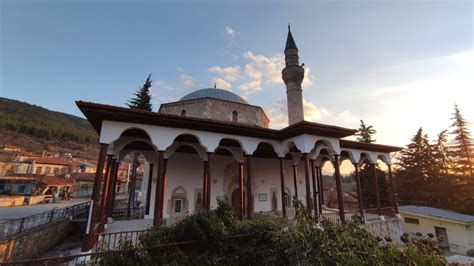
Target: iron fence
[112, 241]
[123, 214]
[20, 225]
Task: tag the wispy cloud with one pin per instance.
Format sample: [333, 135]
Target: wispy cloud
[230, 31]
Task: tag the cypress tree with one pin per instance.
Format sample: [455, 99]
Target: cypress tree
[461, 151]
[142, 98]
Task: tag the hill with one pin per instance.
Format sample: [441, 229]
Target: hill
[34, 128]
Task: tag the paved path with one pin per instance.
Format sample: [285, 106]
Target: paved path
[10, 213]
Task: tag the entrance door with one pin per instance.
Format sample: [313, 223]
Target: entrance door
[236, 201]
[442, 237]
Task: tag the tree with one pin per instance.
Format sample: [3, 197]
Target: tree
[440, 153]
[461, 151]
[416, 170]
[365, 133]
[142, 99]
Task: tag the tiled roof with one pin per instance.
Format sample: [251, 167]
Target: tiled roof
[440, 213]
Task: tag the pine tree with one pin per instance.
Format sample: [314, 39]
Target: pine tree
[461, 151]
[440, 153]
[365, 133]
[142, 99]
[416, 171]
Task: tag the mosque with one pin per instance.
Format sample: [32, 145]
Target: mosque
[213, 145]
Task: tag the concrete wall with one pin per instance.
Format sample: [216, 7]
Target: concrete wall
[392, 227]
[460, 236]
[218, 110]
[34, 243]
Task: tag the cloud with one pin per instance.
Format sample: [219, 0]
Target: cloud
[277, 111]
[187, 81]
[230, 74]
[222, 84]
[268, 69]
[230, 31]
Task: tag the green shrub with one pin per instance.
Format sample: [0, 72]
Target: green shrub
[272, 241]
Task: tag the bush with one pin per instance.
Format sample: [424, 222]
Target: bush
[470, 252]
[271, 241]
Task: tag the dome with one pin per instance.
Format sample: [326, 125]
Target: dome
[215, 94]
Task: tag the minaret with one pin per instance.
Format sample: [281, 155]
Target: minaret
[293, 75]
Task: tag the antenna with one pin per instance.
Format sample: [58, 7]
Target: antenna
[215, 86]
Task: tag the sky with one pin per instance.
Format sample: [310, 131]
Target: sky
[397, 65]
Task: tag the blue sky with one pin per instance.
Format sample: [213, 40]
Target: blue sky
[397, 65]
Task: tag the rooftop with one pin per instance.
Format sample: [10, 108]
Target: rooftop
[439, 213]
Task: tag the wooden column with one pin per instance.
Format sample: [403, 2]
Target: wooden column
[377, 190]
[105, 192]
[315, 192]
[89, 239]
[295, 180]
[340, 202]
[208, 178]
[282, 188]
[319, 173]
[392, 188]
[158, 211]
[249, 188]
[148, 190]
[241, 191]
[359, 191]
[307, 183]
[204, 185]
[113, 188]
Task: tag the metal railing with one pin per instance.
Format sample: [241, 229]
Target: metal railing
[373, 214]
[20, 225]
[122, 213]
[112, 241]
[97, 258]
[335, 218]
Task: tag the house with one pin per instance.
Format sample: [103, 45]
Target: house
[454, 231]
[212, 145]
[20, 189]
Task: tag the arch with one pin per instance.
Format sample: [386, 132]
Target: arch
[130, 135]
[183, 112]
[384, 159]
[186, 141]
[265, 149]
[365, 157]
[320, 145]
[348, 155]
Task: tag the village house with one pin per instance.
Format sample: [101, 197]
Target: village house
[454, 231]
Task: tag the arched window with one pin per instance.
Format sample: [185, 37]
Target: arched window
[183, 112]
[179, 201]
[235, 116]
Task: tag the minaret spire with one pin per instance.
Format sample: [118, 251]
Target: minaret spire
[293, 75]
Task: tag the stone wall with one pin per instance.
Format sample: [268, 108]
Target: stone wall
[34, 243]
[219, 110]
[391, 227]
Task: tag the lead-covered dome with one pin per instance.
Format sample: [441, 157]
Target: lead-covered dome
[215, 94]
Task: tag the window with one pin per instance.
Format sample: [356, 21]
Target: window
[47, 171]
[21, 189]
[288, 200]
[411, 220]
[183, 112]
[235, 116]
[39, 169]
[178, 203]
[56, 171]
